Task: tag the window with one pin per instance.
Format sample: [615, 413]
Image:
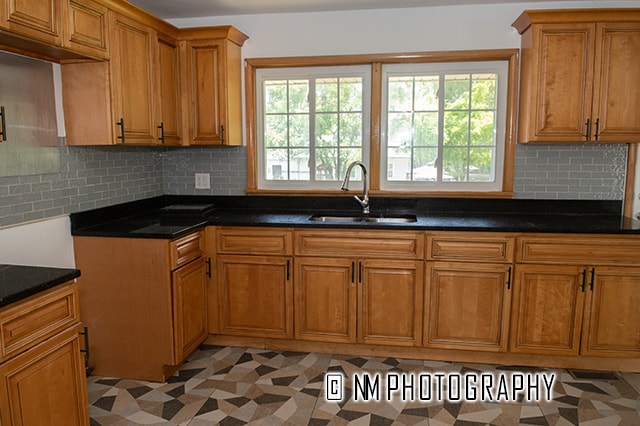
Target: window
[423, 123]
[312, 123]
[441, 124]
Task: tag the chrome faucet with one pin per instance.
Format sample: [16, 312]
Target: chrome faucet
[364, 201]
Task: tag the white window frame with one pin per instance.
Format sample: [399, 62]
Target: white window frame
[263, 74]
[501, 68]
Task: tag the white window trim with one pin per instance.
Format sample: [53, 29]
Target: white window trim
[263, 74]
[499, 67]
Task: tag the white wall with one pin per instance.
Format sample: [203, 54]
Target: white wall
[385, 30]
[42, 243]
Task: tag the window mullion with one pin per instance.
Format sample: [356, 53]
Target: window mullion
[312, 129]
[440, 159]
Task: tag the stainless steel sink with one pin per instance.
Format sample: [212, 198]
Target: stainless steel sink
[366, 219]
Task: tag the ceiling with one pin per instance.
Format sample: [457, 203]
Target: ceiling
[172, 9]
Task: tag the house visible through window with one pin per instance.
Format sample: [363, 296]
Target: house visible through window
[430, 125]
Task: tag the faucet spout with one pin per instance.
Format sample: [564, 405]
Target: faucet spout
[364, 201]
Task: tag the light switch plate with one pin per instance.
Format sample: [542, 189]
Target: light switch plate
[203, 181]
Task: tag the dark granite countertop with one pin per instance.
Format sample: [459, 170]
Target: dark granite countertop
[169, 217]
[18, 282]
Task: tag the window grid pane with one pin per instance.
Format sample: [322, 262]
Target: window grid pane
[313, 124]
[443, 135]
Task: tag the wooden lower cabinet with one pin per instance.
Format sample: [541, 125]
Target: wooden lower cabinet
[325, 299]
[46, 385]
[255, 295]
[390, 302]
[611, 324]
[576, 310]
[359, 300]
[189, 307]
[547, 309]
[467, 306]
[144, 302]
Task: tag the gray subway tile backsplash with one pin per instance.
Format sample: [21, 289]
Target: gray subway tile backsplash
[92, 177]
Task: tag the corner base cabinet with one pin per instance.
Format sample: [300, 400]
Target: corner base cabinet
[42, 371]
[144, 302]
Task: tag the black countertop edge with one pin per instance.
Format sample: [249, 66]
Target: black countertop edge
[18, 282]
[143, 219]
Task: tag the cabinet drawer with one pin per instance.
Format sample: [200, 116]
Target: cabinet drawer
[470, 246]
[379, 244]
[579, 249]
[27, 323]
[186, 249]
[259, 241]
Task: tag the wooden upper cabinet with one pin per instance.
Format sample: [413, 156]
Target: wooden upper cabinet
[36, 19]
[579, 76]
[168, 117]
[86, 31]
[212, 78]
[132, 75]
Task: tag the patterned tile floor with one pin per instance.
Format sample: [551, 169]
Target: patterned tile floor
[238, 386]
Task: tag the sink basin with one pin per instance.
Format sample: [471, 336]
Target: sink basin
[366, 219]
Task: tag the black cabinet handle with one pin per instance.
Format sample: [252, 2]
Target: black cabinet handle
[597, 128]
[222, 134]
[359, 272]
[161, 127]
[288, 274]
[588, 129]
[593, 278]
[208, 272]
[121, 125]
[584, 279]
[353, 272]
[4, 124]
[509, 278]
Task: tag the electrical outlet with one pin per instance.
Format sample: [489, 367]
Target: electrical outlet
[203, 181]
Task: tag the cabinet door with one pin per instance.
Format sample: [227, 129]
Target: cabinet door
[467, 306]
[206, 116]
[390, 302]
[547, 309]
[168, 92]
[617, 90]
[46, 385]
[133, 78]
[189, 308]
[35, 19]
[256, 295]
[612, 314]
[325, 296]
[87, 28]
[557, 82]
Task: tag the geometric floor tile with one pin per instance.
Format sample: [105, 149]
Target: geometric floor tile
[239, 386]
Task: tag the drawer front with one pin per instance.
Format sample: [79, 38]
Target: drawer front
[378, 244]
[472, 247]
[25, 324]
[186, 249]
[259, 241]
[579, 249]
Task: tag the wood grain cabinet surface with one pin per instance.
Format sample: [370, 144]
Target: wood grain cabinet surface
[144, 302]
[573, 296]
[579, 76]
[359, 287]
[254, 271]
[468, 291]
[42, 369]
